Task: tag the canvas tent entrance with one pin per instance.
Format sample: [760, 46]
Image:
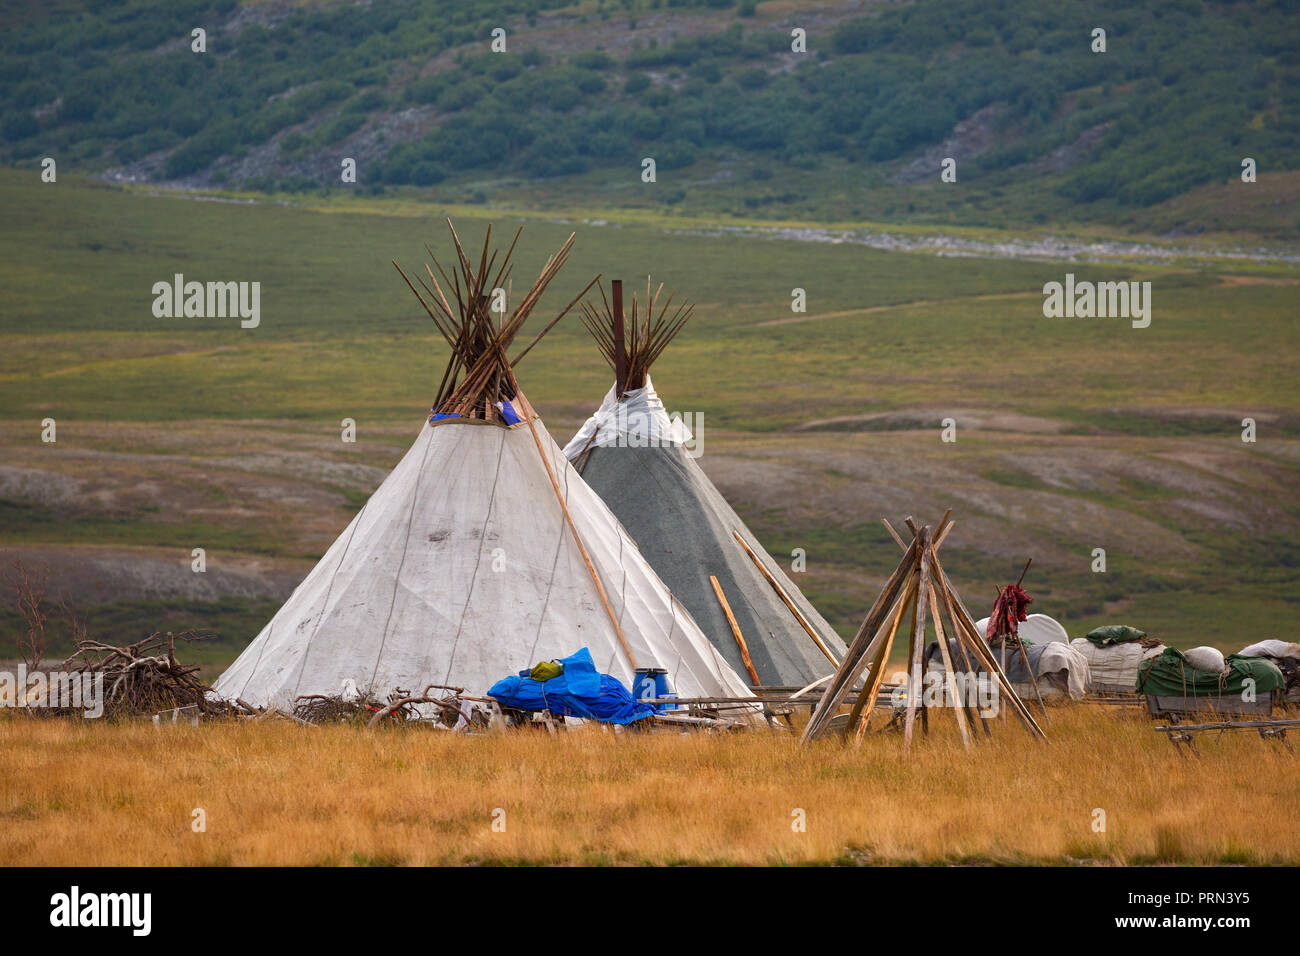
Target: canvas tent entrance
[641, 464]
[482, 553]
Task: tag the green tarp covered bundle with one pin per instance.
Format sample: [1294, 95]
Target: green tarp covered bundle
[1169, 675]
[1114, 634]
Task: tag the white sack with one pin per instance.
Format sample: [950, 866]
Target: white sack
[1208, 659]
[1271, 648]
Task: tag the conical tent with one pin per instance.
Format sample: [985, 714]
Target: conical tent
[639, 461]
[481, 554]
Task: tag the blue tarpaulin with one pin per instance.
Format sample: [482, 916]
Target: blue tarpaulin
[579, 692]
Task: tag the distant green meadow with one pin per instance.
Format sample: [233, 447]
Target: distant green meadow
[339, 325]
[341, 336]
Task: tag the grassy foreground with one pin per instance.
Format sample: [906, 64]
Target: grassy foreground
[101, 794]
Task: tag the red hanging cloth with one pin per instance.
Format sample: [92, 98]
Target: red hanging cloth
[1008, 612]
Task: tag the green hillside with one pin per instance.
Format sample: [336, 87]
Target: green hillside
[1042, 128]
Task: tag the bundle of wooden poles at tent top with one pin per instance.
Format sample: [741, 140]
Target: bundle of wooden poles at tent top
[479, 377]
[631, 343]
[918, 591]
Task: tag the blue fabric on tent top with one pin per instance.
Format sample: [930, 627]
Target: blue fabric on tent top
[509, 414]
[581, 691]
[439, 416]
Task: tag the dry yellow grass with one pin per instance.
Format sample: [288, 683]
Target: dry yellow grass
[98, 794]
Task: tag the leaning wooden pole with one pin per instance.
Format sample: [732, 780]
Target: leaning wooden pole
[860, 716]
[780, 592]
[735, 632]
[916, 647]
[985, 654]
[967, 666]
[863, 643]
[950, 676]
[1033, 678]
[582, 548]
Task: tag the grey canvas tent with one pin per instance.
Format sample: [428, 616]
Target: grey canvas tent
[641, 464]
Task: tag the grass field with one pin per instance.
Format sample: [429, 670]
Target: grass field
[284, 794]
[1072, 433]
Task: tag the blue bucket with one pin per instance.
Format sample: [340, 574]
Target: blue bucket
[652, 682]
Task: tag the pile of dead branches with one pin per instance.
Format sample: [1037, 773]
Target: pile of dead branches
[400, 707]
[145, 677]
[335, 709]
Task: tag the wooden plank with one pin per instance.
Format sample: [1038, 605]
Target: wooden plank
[1232, 704]
[780, 591]
[1229, 725]
[735, 631]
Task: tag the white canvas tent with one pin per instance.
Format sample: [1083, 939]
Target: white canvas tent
[460, 570]
[481, 554]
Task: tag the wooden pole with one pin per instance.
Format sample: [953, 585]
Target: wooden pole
[969, 668]
[958, 703]
[620, 350]
[861, 645]
[1025, 571]
[917, 645]
[1024, 657]
[984, 653]
[577, 539]
[735, 631]
[776, 586]
[861, 713]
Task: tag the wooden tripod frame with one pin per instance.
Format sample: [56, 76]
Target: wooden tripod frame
[919, 591]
